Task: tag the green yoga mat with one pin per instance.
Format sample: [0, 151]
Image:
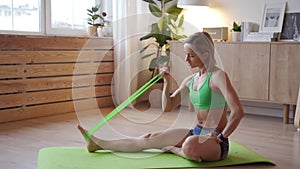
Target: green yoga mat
[80, 158]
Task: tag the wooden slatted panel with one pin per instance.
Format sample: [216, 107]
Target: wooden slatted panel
[27, 57]
[67, 69]
[18, 42]
[11, 71]
[22, 85]
[51, 96]
[41, 76]
[46, 70]
[53, 109]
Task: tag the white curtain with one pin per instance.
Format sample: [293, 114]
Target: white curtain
[129, 24]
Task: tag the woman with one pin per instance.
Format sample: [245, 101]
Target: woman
[210, 92]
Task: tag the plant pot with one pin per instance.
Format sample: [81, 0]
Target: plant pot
[155, 95]
[92, 30]
[100, 31]
[107, 31]
[235, 36]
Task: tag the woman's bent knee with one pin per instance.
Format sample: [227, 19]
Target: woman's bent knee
[190, 148]
[201, 148]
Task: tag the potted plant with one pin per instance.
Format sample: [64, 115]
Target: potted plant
[236, 32]
[169, 27]
[95, 19]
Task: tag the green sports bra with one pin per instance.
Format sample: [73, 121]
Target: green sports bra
[205, 98]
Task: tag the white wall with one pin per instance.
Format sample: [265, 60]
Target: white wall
[249, 10]
[224, 12]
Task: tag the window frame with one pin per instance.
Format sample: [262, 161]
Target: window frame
[45, 25]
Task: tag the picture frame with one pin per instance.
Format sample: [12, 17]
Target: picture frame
[291, 26]
[272, 18]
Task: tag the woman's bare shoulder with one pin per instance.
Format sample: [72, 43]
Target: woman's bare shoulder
[187, 80]
[219, 76]
[219, 73]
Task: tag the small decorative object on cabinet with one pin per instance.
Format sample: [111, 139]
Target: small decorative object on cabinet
[217, 33]
[236, 32]
[291, 27]
[107, 30]
[272, 18]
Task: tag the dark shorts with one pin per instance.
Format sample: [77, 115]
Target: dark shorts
[198, 130]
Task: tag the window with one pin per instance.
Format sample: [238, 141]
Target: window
[20, 15]
[51, 17]
[67, 16]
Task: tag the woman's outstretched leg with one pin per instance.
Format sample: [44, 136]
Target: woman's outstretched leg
[92, 146]
[173, 137]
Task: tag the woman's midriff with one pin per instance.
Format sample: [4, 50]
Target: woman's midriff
[216, 119]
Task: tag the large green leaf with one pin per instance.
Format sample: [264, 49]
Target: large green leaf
[172, 29]
[180, 37]
[95, 9]
[173, 17]
[174, 10]
[154, 9]
[163, 24]
[161, 37]
[90, 11]
[150, 1]
[181, 21]
[149, 35]
[94, 17]
[160, 25]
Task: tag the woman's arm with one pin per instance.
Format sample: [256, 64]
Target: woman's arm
[170, 102]
[223, 83]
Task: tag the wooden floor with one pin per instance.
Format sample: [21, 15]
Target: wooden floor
[21, 141]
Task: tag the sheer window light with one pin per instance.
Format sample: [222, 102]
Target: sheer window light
[67, 16]
[20, 15]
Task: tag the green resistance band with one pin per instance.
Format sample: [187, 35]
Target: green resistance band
[124, 104]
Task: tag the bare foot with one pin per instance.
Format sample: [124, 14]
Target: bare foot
[92, 146]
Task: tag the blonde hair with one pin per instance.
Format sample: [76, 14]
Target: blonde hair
[200, 43]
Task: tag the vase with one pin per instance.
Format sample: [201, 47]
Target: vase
[92, 30]
[107, 31]
[100, 31]
[235, 36]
